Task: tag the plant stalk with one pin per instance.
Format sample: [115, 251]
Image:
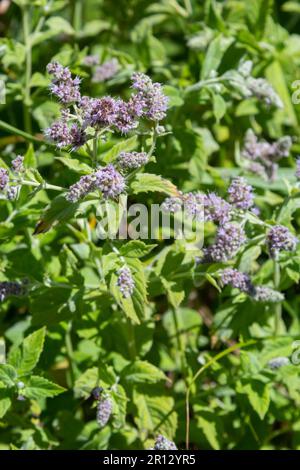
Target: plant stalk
[28, 68]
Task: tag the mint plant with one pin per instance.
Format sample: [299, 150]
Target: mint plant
[149, 225]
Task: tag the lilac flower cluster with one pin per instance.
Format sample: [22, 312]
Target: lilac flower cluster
[268, 295]
[10, 190]
[242, 281]
[90, 60]
[125, 282]
[216, 209]
[172, 204]
[279, 238]
[230, 237]
[240, 194]
[257, 87]
[236, 279]
[298, 169]
[8, 288]
[106, 113]
[262, 156]
[162, 443]
[200, 206]
[132, 160]
[80, 189]
[278, 362]
[262, 90]
[4, 179]
[106, 71]
[104, 410]
[150, 97]
[107, 179]
[63, 86]
[18, 164]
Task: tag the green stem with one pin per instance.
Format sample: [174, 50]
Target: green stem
[42, 185]
[14, 130]
[181, 349]
[69, 348]
[95, 151]
[212, 361]
[28, 68]
[278, 307]
[131, 340]
[77, 15]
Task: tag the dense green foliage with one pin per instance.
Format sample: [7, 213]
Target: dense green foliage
[184, 356]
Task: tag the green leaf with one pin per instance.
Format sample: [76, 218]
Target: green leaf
[5, 401]
[86, 382]
[214, 55]
[32, 347]
[174, 96]
[75, 165]
[39, 387]
[8, 375]
[57, 24]
[219, 107]
[142, 372]
[59, 210]
[146, 182]
[134, 306]
[119, 398]
[126, 145]
[209, 424]
[174, 291]
[29, 158]
[136, 249]
[258, 394]
[155, 412]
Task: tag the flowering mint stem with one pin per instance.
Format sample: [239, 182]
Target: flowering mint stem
[212, 361]
[28, 67]
[278, 307]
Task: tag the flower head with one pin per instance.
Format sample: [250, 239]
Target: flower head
[63, 86]
[162, 443]
[59, 133]
[18, 164]
[80, 189]
[4, 179]
[230, 237]
[267, 295]
[104, 410]
[132, 160]
[278, 362]
[279, 238]
[237, 280]
[153, 101]
[125, 282]
[110, 182]
[216, 209]
[106, 71]
[240, 194]
[298, 169]
[8, 288]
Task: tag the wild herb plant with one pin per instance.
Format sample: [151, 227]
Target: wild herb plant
[139, 338]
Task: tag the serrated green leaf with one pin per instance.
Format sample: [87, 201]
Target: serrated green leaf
[8, 375]
[39, 387]
[31, 349]
[142, 372]
[146, 182]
